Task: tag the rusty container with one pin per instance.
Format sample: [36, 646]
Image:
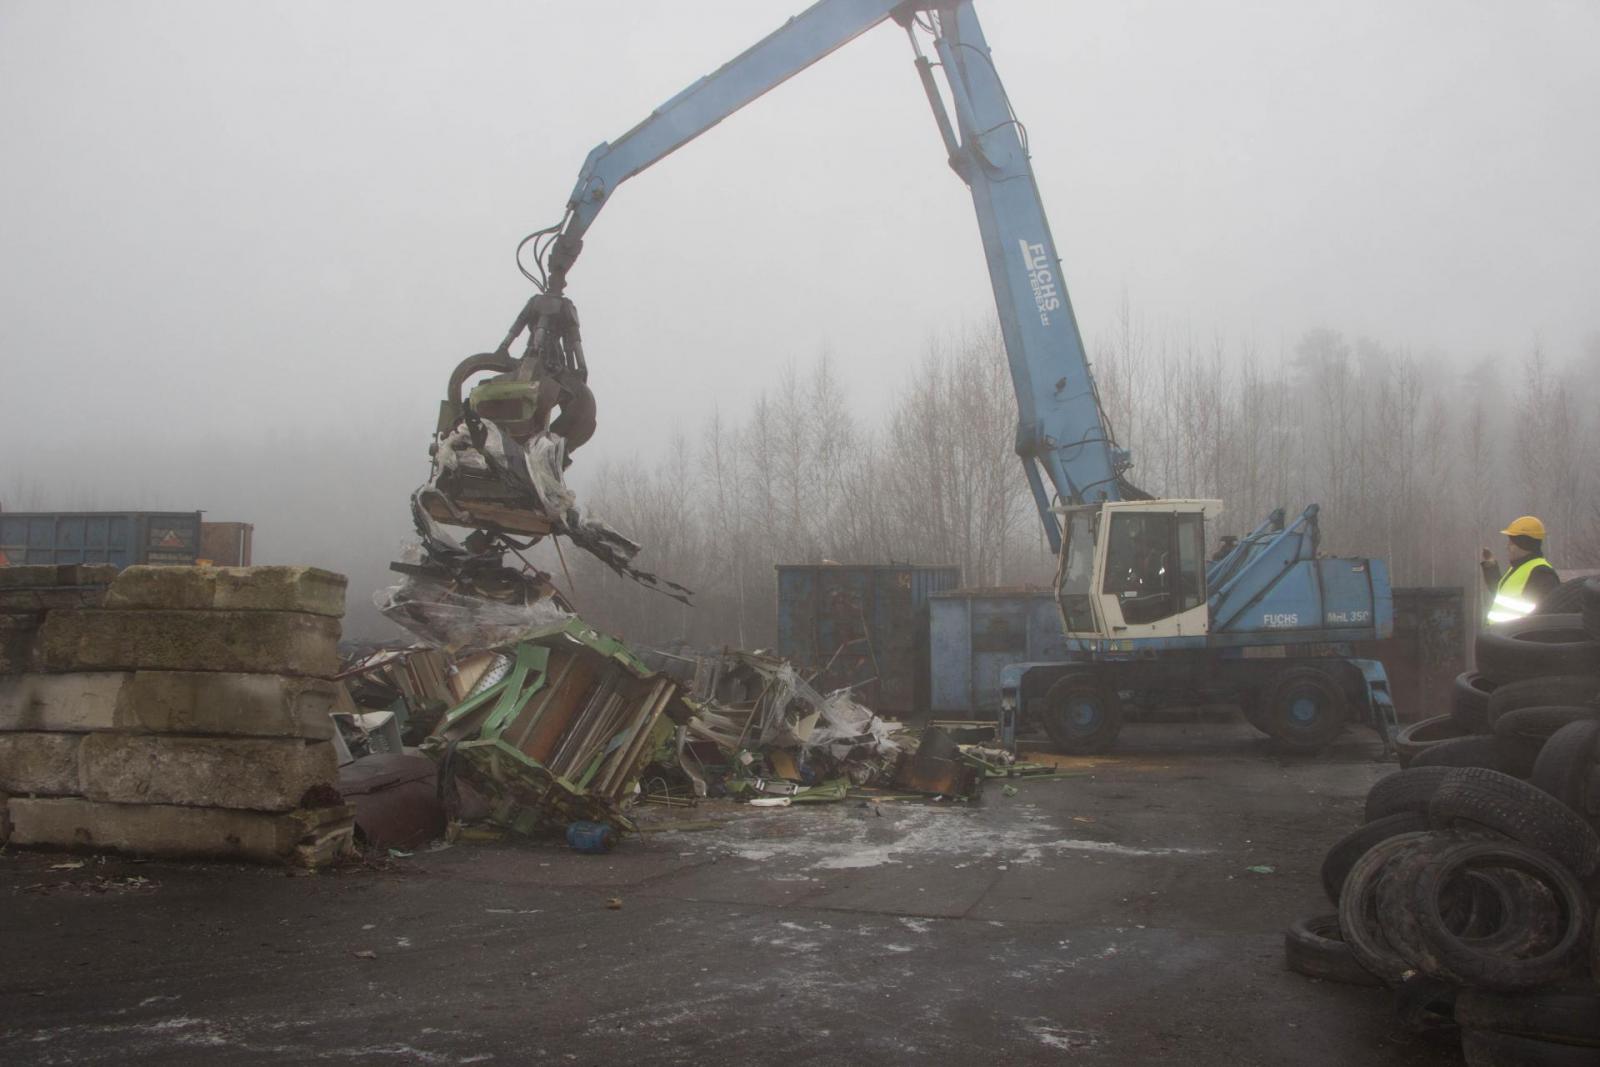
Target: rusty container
[863, 627]
[227, 544]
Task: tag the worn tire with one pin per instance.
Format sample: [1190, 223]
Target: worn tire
[1479, 797]
[1519, 913]
[1304, 709]
[1570, 1015]
[1591, 607]
[1313, 947]
[1537, 645]
[1478, 751]
[1081, 716]
[1540, 724]
[1541, 692]
[1447, 956]
[1564, 599]
[1358, 922]
[1414, 737]
[1407, 790]
[1344, 853]
[1504, 913]
[1513, 756]
[1566, 765]
[1490, 1048]
[1469, 702]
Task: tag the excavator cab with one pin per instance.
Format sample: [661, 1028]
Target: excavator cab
[1134, 569]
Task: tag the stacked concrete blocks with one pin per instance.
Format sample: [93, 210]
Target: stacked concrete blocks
[176, 711]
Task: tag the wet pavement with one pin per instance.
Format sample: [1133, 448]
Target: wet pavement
[1105, 919]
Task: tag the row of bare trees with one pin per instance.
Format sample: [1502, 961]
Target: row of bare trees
[1414, 458]
[797, 479]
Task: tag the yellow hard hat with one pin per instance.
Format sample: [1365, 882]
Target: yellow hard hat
[1527, 526]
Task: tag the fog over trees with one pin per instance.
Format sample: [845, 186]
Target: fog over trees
[1416, 457]
[1412, 459]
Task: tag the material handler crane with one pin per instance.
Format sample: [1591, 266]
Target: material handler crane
[1146, 616]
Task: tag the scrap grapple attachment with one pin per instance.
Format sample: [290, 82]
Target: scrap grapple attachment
[507, 427]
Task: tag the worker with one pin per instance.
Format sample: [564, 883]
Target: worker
[1529, 578]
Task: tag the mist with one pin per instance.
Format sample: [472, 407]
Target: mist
[243, 245]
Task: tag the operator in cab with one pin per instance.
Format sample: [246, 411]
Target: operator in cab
[1529, 578]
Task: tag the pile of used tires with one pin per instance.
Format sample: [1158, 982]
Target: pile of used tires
[1535, 675]
[1471, 887]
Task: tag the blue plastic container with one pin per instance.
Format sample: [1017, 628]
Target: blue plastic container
[591, 837]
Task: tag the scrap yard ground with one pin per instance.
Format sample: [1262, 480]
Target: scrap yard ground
[1113, 918]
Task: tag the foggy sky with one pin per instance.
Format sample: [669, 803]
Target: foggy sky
[258, 225]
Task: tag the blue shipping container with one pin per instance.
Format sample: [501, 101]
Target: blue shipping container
[121, 538]
[862, 627]
[973, 633]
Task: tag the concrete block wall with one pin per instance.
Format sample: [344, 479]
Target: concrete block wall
[172, 711]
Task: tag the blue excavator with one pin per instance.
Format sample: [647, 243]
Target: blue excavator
[1149, 619]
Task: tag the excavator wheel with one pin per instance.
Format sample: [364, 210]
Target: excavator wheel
[1304, 709]
[1081, 715]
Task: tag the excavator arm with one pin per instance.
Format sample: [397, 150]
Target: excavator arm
[1063, 437]
[800, 42]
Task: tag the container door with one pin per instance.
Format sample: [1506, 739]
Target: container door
[893, 635]
[999, 638]
[950, 656]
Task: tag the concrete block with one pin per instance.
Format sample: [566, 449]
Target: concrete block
[249, 705]
[64, 598]
[304, 589]
[76, 703]
[45, 764]
[51, 575]
[316, 836]
[250, 642]
[5, 818]
[19, 642]
[203, 772]
[170, 702]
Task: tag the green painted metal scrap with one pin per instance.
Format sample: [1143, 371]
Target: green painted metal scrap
[524, 794]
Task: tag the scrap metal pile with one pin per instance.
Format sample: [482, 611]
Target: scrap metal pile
[564, 726]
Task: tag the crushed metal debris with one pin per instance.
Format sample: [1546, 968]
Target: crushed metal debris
[562, 729]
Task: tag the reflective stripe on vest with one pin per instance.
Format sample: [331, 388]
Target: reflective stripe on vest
[1509, 603]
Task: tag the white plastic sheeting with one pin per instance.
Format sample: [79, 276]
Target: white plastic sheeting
[447, 619]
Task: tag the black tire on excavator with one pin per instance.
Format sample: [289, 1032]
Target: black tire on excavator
[1304, 709]
[1082, 715]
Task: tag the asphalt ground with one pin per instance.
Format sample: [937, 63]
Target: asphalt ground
[1112, 918]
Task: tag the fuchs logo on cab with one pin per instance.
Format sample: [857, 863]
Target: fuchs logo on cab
[1041, 279]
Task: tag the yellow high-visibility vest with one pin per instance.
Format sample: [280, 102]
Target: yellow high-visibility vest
[1509, 603]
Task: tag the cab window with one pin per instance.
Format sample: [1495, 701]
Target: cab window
[1141, 567]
